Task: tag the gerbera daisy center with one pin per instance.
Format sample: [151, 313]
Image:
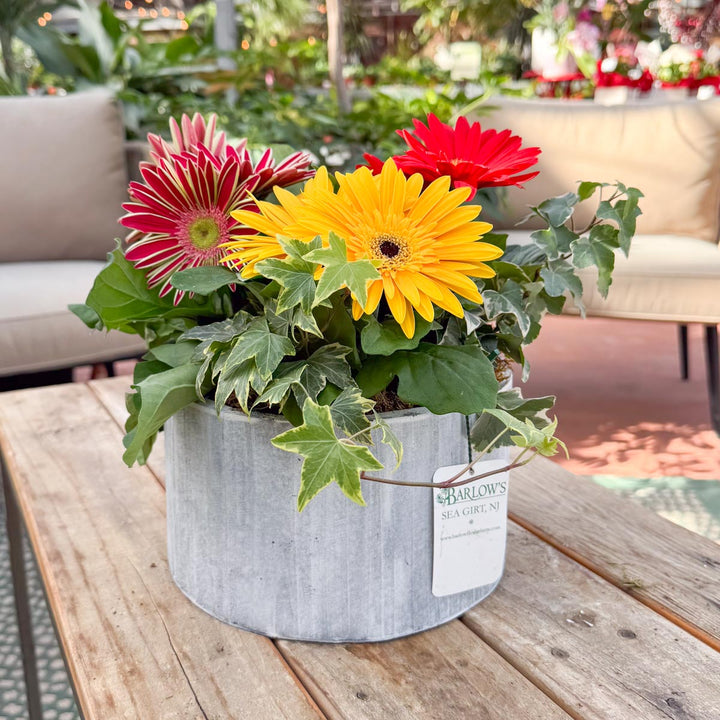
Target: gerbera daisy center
[201, 231]
[390, 249]
[204, 233]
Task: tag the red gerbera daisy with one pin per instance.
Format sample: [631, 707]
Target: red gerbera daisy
[181, 214]
[470, 156]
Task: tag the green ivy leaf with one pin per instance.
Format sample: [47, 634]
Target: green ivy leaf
[558, 210]
[327, 364]
[509, 301]
[387, 337]
[296, 277]
[340, 272]
[326, 459]
[554, 241]
[624, 213]
[203, 280]
[263, 346]
[560, 277]
[592, 251]
[161, 396]
[587, 189]
[509, 270]
[442, 378]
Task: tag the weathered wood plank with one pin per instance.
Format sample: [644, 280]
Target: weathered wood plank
[597, 652]
[668, 568]
[111, 393]
[445, 672]
[137, 648]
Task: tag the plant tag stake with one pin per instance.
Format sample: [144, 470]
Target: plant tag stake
[470, 528]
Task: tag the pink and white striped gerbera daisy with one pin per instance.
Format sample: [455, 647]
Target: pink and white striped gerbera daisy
[186, 137]
[181, 214]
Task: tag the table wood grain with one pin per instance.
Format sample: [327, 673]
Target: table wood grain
[605, 611]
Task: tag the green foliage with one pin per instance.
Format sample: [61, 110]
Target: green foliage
[536, 278]
[436, 377]
[121, 300]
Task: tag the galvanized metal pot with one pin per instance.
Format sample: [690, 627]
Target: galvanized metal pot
[337, 572]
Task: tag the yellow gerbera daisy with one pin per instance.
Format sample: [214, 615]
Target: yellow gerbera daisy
[425, 242]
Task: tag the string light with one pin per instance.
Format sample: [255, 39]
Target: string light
[153, 13]
[245, 45]
[165, 12]
[128, 5]
[142, 12]
[47, 16]
[42, 22]
[184, 25]
[311, 40]
[180, 15]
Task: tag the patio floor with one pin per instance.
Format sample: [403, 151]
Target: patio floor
[623, 408]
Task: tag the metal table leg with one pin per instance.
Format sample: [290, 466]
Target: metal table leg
[22, 601]
[713, 374]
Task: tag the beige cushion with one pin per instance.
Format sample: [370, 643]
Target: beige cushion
[62, 177]
[38, 332]
[669, 151]
[666, 277]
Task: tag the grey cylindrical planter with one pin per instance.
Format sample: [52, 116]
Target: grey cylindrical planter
[337, 572]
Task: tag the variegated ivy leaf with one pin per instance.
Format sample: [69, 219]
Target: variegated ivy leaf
[528, 436]
[289, 321]
[340, 272]
[294, 274]
[327, 364]
[238, 379]
[265, 347]
[389, 438]
[508, 301]
[487, 429]
[326, 458]
[278, 390]
[349, 412]
[221, 332]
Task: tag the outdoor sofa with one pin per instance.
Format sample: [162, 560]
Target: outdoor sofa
[671, 152]
[63, 178]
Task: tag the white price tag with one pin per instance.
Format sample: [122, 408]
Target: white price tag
[470, 529]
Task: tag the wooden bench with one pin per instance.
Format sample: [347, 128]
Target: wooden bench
[606, 611]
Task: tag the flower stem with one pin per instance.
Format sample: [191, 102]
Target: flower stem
[454, 480]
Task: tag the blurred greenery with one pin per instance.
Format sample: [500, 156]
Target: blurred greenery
[281, 82]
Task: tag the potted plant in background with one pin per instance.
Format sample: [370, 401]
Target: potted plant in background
[325, 349]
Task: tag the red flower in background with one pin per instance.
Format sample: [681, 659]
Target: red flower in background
[470, 156]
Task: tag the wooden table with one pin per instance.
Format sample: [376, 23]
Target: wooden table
[605, 611]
